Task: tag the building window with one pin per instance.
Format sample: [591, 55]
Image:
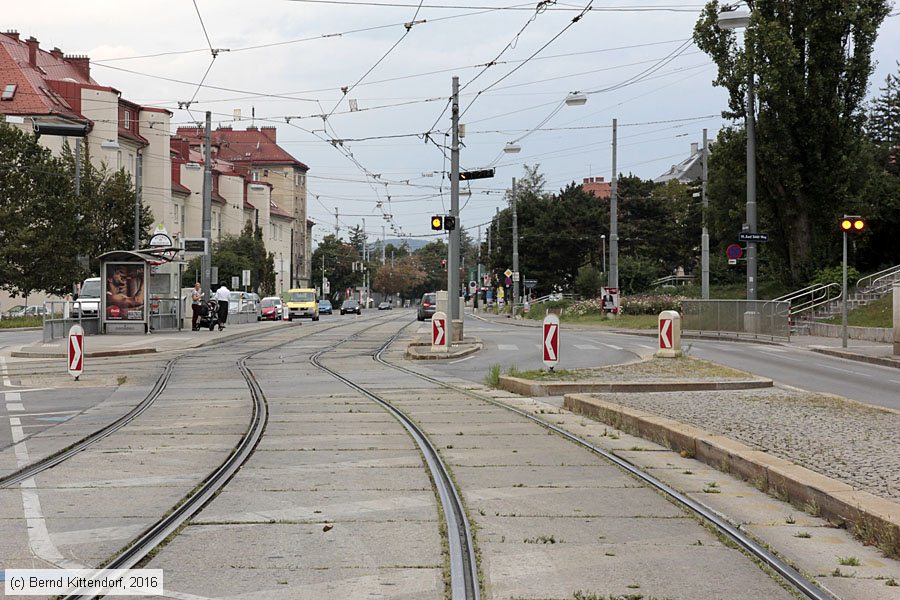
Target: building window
[265, 172]
[254, 175]
[127, 120]
[9, 92]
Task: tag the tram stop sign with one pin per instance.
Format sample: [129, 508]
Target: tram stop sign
[75, 354]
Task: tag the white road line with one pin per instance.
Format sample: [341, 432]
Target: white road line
[53, 412]
[646, 346]
[894, 380]
[614, 347]
[14, 406]
[6, 380]
[838, 369]
[507, 347]
[459, 360]
[13, 396]
[586, 347]
[15, 421]
[770, 349]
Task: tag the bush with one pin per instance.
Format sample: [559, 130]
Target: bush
[651, 304]
[835, 275]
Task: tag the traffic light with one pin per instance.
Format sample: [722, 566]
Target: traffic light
[853, 223]
[437, 223]
[444, 263]
[449, 223]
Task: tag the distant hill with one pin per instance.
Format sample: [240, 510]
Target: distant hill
[413, 243]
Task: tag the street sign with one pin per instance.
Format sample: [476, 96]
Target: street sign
[508, 273]
[551, 340]
[439, 332]
[732, 261]
[746, 236]
[669, 334]
[76, 351]
[473, 285]
[245, 277]
[194, 246]
[480, 174]
[235, 282]
[530, 284]
[734, 252]
[515, 276]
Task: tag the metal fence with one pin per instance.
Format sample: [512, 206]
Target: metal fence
[758, 319]
[60, 315]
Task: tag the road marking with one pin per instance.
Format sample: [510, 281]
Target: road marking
[838, 369]
[55, 412]
[586, 347]
[459, 360]
[894, 380]
[14, 406]
[6, 380]
[646, 346]
[15, 421]
[767, 349]
[507, 347]
[13, 396]
[614, 347]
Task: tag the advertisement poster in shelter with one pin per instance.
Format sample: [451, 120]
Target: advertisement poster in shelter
[125, 291]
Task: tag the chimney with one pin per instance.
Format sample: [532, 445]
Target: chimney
[33, 46]
[12, 33]
[57, 53]
[82, 64]
[251, 128]
[270, 132]
[695, 148]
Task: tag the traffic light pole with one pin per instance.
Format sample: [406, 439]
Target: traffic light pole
[613, 279]
[453, 251]
[206, 219]
[844, 296]
[704, 237]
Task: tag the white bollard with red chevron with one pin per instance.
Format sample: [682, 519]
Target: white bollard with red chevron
[76, 351]
[439, 342]
[669, 334]
[550, 341]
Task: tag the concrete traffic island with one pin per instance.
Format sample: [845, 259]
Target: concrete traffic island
[873, 519]
[421, 349]
[648, 375]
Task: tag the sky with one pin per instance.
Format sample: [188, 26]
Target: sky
[285, 61]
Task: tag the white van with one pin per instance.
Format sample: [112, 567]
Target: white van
[88, 301]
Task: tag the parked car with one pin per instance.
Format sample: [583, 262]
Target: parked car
[427, 306]
[88, 301]
[351, 306]
[15, 312]
[270, 309]
[384, 306]
[325, 307]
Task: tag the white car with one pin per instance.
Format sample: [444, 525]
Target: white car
[88, 301]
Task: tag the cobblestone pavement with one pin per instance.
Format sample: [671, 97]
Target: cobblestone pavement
[851, 442]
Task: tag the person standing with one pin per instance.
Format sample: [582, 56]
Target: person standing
[196, 305]
[222, 295]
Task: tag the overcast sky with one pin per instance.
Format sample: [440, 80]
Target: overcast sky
[311, 48]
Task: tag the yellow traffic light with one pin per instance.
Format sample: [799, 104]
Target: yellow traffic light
[853, 223]
[437, 223]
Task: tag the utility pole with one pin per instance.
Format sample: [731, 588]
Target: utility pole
[453, 251]
[704, 238]
[77, 167]
[478, 269]
[324, 295]
[383, 243]
[206, 259]
[138, 176]
[614, 217]
[515, 248]
[337, 226]
[751, 187]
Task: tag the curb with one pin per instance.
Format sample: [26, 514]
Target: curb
[413, 353]
[872, 519]
[875, 360]
[527, 387]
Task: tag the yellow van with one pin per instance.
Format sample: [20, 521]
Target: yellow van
[302, 302]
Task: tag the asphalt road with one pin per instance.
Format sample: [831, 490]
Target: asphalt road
[514, 345]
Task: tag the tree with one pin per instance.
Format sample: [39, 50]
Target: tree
[106, 208]
[38, 243]
[338, 258]
[883, 126]
[588, 282]
[812, 61]
[429, 259]
[403, 277]
[234, 254]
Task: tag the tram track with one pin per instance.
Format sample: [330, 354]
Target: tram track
[722, 526]
[464, 579]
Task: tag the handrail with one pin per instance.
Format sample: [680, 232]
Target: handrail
[672, 279]
[819, 294]
[874, 277]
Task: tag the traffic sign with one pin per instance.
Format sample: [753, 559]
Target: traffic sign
[551, 340]
[746, 236]
[508, 273]
[515, 276]
[439, 332]
[245, 277]
[194, 246]
[734, 252]
[76, 351]
[479, 174]
[530, 284]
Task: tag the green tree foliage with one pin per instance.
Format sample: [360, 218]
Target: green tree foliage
[338, 260]
[812, 61]
[883, 126]
[588, 282]
[429, 259]
[232, 255]
[38, 244]
[105, 208]
[404, 277]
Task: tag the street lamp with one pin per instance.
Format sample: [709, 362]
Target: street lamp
[512, 148]
[603, 241]
[729, 21]
[575, 99]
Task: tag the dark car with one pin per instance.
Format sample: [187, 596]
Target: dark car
[427, 306]
[351, 306]
[325, 307]
[384, 306]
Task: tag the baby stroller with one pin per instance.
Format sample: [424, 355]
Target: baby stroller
[209, 315]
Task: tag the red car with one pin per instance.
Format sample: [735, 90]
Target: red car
[270, 309]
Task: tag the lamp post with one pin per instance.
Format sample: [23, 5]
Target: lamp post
[603, 241]
[729, 21]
